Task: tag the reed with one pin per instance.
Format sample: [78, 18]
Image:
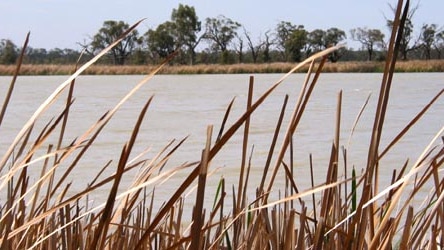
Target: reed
[346, 211]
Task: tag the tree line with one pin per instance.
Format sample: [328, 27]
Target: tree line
[223, 40]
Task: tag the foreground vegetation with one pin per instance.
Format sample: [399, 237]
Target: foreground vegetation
[345, 67]
[349, 210]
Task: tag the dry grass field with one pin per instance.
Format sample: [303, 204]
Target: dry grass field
[345, 67]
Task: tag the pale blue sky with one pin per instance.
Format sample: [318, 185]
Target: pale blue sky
[64, 23]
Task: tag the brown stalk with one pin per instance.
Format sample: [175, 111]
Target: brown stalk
[332, 171]
[396, 35]
[69, 100]
[302, 221]
[289, 232]
[294, 121]
[196, 242]
[241, 199]
[397, 31]
[406, 232]
[318, 241]
[102, 228]
[224, 121]
[12, 84]
[267, 164]
[290, 178]
[410, 124]
[358, 117]
[273, 143]
[313, 195]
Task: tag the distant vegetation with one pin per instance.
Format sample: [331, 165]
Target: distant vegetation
[244, 68]
[221, 40]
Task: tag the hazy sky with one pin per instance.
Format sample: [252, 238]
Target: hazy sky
[64, 23]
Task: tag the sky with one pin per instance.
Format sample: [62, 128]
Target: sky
[65, 23]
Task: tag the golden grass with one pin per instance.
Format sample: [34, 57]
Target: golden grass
[345, 67]
[350, 212]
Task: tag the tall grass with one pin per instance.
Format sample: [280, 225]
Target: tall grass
[346, 211]
[242, 68]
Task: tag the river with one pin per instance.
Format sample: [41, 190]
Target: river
[184, 105]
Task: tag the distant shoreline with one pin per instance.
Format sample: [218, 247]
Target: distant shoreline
[339, 67]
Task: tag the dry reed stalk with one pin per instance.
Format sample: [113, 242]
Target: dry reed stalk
[295, 118]
[196, 235]
[273, 143]
[238, 227]
[14, 78]
[127, 220]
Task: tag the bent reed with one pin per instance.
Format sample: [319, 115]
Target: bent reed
[243, 68]
[350, 210]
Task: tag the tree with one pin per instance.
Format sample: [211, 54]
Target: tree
[254, 49]
[427, 39]
[369, 38]
[407, 37]
[319, 39]
[162, 40]
[283, 33]
[296, 43]
[267, 46]
[239, 47]
[221, 31]
[334, 36]
[316, 41]
[186, 26]
[110, 32]
[8, 52]
[407, 44]
[36, 55]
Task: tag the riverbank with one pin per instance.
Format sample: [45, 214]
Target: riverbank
[343, 67]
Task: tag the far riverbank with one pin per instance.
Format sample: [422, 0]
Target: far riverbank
[338, 67]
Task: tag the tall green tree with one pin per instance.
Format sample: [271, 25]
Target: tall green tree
[162, 40]
[187, 26]
[296, 43]
[427, 39]
[221, 31]
[315, 40]
[334, 36]
[110, 31]
[319, 39]
[8, 52]
[369, 39]
[284, 31]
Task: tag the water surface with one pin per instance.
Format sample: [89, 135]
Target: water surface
[185, 105]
